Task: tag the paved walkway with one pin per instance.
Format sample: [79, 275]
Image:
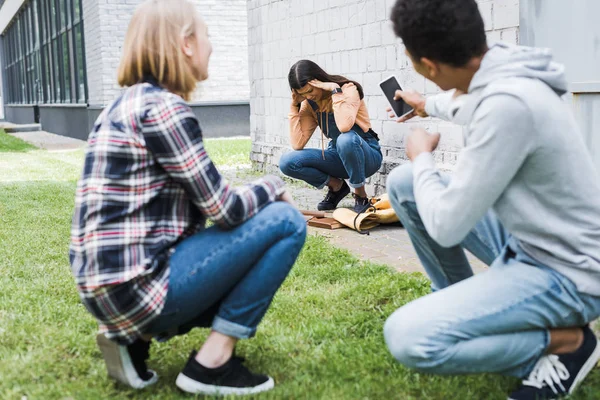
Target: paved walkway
[49, 141]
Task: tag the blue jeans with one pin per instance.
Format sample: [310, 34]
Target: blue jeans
[227, 279]
[348, 157]
[497, 321]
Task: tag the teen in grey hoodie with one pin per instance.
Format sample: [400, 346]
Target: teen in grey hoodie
[524, 198]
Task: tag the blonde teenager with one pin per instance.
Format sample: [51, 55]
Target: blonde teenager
[145, 264]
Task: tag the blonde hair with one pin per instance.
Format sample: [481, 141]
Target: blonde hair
[153, 46]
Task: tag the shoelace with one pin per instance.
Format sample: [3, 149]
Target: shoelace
[330, 194]
[548, 371]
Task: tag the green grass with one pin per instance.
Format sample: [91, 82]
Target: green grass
[13, 144]
[229, 152]
[322, 338]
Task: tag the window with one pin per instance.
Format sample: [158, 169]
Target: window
[44, 54]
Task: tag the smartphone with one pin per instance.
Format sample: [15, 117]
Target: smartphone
[389, 88]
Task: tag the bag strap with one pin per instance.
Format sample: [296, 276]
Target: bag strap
[364, 209]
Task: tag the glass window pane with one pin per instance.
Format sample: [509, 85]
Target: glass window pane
[44, 53]
[55, 71]
[69, 11]
[63, 13]
[66, 68]
[49, 83]
[77, 5]
[53, 17]
[80, 64]
[36, 25]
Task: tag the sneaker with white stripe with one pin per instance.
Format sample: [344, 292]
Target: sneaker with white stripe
[556, 376]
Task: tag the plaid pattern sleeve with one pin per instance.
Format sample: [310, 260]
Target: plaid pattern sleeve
[147, 184]
[174, 137]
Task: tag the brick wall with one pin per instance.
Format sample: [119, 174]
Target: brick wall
[349, 37]
[106, 23]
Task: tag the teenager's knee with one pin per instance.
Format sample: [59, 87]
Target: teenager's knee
[290, 216]
[415, 341]
[400, 184]
[347, 142]
[288, 163]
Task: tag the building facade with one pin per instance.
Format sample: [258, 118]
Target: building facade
[355, 38]
[59, 63]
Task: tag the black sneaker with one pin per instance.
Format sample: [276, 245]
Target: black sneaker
[557, 375]
[332, 198]
[361, 204]
[232, 378]
[127, 364]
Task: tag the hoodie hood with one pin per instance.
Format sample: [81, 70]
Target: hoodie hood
[504, 60]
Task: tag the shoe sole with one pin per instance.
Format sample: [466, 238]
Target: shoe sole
[119, 366]
[584, 371]
[194, 387]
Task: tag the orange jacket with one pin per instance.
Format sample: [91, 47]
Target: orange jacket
[347, 107]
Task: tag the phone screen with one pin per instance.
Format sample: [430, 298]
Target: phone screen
[389, 88]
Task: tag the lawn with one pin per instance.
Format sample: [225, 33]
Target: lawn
[322, 339]
[12, 144]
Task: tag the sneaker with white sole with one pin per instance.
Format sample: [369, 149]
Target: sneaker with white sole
[556, 376]
[232, 378]
[127, 364]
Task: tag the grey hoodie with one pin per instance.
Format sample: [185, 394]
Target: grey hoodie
[525, 158]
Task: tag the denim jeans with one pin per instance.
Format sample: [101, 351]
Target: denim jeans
[497, 321]
[348, 157]
[227, 278]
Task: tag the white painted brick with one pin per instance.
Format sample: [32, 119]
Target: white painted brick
[371, 57]
[342, 15]
[353, 61]
[308, 6]
[371, 82]
[510, 35]
[371, 11]
[380, 10]
[387, 34]
[336, 66]
[308, 45]
[372, 35]
[353, 38]
[393, 133]
[106, 22]
[493, 36]
[506, 14]
[451, 136]
[389, 4]
[485, 8]
[390, 52]
[381, 58]
[431, 88]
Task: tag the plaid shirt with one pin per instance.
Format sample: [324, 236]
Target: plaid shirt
[147, 184]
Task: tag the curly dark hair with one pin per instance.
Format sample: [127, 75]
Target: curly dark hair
[447, 31]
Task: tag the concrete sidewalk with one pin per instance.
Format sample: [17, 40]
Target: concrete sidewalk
[49, 141]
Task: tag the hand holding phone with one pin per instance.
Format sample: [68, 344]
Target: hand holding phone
[413, 102]
[389, 87]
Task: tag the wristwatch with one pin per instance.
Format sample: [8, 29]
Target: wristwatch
[336, 90]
